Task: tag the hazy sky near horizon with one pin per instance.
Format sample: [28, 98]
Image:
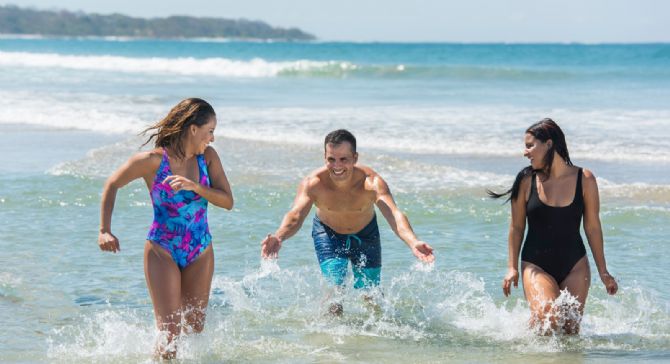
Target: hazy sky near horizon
[587, 21]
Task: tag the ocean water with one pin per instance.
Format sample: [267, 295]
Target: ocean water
[441, 122]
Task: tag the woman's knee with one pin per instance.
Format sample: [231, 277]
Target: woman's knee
[544, 318]
[195, 319]
[169, 323]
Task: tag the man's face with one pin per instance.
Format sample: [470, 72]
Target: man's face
[340, 160]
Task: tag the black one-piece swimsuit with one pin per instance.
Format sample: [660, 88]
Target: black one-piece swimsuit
[553, 241]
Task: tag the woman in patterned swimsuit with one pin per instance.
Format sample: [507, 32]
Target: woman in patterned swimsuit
[183, 174]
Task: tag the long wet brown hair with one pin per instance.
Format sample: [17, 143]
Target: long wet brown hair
[170, 131]
[543, 130]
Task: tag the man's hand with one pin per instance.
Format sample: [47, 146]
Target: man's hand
[270, 247]
[423, 251]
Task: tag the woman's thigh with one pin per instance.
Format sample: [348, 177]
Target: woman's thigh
[164, 282]
[578, 281]
[539, 287]
[196, 283]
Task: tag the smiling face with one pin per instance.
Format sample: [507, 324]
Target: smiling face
[536, 150]
[340, 161]
[202, 135]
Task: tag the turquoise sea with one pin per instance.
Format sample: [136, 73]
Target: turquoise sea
[441, 122]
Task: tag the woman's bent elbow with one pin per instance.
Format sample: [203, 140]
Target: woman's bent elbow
[228, 203]
[109, 186]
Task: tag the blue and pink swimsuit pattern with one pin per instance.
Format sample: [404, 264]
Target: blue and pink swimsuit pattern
[180, 218]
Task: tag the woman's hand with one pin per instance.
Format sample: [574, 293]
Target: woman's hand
[610, 283]
[108, 242]
[512, 277]
[179, 183]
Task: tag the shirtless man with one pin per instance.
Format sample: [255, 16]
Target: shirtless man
[345, 225]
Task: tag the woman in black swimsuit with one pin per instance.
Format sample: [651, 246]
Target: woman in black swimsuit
[553, 195]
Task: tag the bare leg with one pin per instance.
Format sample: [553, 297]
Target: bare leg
[541, 290]
[577, 283]
[333, 298]
[196, 282]
[164, 282]
[334, 272]
[336, 309]
[371, 303]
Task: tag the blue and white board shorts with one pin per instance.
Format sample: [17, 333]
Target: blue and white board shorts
[335, 250]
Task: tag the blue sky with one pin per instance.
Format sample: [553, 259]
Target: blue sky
[586, 21]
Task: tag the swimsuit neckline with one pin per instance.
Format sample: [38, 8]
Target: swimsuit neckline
[167, 163]
[574, 197]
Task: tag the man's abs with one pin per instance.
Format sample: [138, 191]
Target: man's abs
[346, 222]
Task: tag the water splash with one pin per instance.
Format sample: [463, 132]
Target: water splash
[275, 313]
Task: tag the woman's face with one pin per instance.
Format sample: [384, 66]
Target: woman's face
[203, 135]
[535, 150]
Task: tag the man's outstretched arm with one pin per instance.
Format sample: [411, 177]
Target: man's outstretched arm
[399, 222]
[290, 224]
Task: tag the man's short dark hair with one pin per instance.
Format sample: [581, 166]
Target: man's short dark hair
[338, 137]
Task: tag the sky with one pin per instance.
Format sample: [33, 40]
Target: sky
[511, 21]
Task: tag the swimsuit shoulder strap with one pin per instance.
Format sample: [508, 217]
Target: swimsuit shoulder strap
[163, 168]
[202, 167]
[532, 196]
[533, 185]
[579, 197]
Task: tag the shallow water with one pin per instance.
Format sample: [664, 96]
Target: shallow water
[439, 138]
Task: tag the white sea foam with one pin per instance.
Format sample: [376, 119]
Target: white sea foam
[9, 280]
[615, 316]
[483, 131]
[220, 67]
[9, 287]
[648, 192]
[22, 36]
[405, 173]
[606, 135]
[99, 162]
[106, 334]
[263, 68]
[99, 113]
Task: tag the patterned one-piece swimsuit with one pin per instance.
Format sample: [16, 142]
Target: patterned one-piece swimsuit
[180, 218]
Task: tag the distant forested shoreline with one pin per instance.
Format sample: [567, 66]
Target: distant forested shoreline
[24, 21]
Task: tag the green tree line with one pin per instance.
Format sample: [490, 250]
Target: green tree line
[15, 20]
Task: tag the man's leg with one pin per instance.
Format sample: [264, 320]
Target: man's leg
[334, 271]
[330, 252]
[366, 262]
[366, 257]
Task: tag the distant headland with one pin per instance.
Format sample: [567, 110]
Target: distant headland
[25, 21]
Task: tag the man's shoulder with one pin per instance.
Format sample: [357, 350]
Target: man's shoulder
[314, 178]
[366, 171]
[370, 178]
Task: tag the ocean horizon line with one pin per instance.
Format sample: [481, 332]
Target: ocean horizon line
[323, 41]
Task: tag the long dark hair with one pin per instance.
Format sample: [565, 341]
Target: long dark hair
[169, 131]
[543, 130]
